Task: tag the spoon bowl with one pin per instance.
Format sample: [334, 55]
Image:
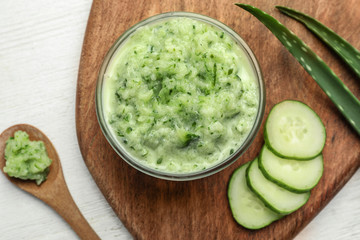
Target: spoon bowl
[54, 190]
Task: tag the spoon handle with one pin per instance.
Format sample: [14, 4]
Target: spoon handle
[59, 198]
[54, 191]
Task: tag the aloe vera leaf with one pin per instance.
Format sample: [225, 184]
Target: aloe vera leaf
[344, 49]
[334, 88]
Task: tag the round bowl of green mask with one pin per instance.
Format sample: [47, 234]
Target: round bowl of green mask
[180, 96]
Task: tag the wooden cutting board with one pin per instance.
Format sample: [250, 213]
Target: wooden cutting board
[157, 209]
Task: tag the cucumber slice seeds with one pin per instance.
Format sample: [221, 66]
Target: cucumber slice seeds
[277, 178]
[293, 130]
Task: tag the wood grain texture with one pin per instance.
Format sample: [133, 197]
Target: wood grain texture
[157, 209]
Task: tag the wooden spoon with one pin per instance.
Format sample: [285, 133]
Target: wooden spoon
[54, 190]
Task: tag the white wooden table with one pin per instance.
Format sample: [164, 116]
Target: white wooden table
[40, 47]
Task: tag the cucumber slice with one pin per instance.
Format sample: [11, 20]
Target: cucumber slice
[247, 209]
[294, 175]
[293, 130]
[275, 197]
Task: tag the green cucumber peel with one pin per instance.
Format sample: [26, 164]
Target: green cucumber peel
[334, 88]
[258, 195]
[282, 182]
[266, 202]
[349, 54]
[247, 210]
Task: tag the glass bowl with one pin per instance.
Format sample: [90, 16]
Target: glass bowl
[114, 142]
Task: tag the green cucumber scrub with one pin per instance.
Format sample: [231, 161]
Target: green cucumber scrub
[25, 159]
[180, 95]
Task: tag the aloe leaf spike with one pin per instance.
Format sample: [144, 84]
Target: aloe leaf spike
[334, 88]
[349, 54]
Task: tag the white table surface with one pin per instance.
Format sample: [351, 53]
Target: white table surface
[40, 47]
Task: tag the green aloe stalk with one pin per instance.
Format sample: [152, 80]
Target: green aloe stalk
[341, 96]
[344, 49]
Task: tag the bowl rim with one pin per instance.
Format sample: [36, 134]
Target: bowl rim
[132, 161]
